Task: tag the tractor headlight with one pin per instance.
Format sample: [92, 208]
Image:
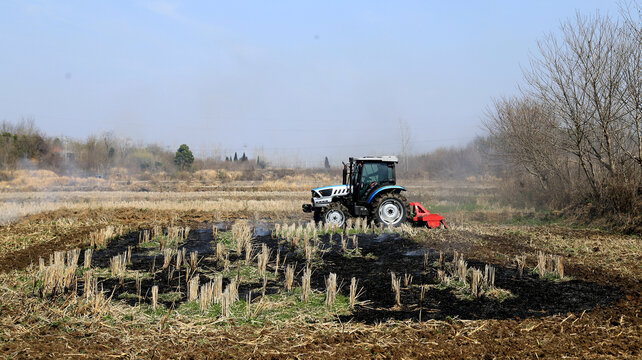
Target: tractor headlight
[326, 192]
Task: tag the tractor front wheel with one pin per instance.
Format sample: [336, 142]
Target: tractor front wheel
[335, 214]
[390, 209]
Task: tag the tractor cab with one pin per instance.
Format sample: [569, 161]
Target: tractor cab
[368, 174]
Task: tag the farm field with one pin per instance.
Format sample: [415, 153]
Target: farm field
[239, 271]
[381, 180]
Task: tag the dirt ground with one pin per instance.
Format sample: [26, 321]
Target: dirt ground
[596, 314]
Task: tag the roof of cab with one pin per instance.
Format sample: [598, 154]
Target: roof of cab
[385, 158]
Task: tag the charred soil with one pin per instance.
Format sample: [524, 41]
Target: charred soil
[593, 313]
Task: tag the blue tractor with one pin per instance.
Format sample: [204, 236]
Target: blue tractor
[369, 189]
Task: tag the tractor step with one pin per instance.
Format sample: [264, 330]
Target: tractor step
[421, 216]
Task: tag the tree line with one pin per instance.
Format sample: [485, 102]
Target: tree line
[574, 134]
[23, 145]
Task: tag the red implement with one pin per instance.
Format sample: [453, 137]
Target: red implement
[421, 215]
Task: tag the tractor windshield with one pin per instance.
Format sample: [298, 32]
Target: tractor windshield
[376, 173]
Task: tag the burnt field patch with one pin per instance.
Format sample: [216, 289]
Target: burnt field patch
[524, 297]
[331, 289]
[374, 258]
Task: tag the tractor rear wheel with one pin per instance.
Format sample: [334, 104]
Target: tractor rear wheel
[335, 214]
[390, 209]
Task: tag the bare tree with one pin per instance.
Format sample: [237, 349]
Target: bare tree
[578, 123]
[579, 77]
[631, 96]
[526, 135]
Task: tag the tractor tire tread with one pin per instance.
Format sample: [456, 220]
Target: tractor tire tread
[379, 199]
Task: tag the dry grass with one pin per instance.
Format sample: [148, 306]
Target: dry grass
[392, 280]
[229, 297]
[193, 260]
[295, 234]
[330, 289]
[180, 255]
[289, 277]
[241, 235]
[90, 285]
[60, 275]
[218, 288]
[192, 289]
[612, 253]
[220, 250]
[355, 293]
[139, 287]
[548, 264]
[17, 205]
[248, 305]
[281, 198]
[489, 276]
[407, 280]
[154, 297]
[559, 266]
[249, 253]
[263, 258]
[206, 296]
[167, 257]
[297, 183]
[226, 303]
[100, 238]
[144, 236]
[396, 289]
[476, 282]
[44, 179]
[305, 284]
[309, 253]
[117, 265]
[461, 270]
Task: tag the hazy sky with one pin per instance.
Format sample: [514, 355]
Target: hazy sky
[295, 77]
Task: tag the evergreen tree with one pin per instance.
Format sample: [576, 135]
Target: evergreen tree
[236, 157]
[244, 158]
[184, 157]
[326, 164]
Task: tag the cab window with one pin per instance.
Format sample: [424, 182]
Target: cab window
[375, 172]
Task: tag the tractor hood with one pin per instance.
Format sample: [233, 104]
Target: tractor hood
[332, 190]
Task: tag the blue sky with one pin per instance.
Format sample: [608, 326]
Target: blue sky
[300, 79]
